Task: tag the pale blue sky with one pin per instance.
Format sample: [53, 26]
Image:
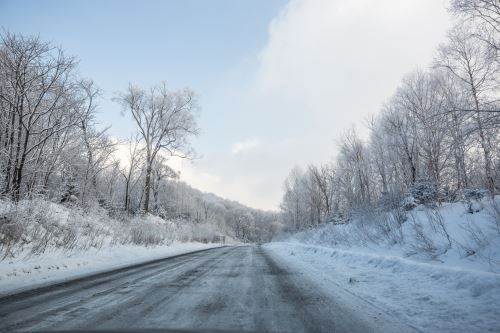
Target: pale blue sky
[278, 80]
[193, 43]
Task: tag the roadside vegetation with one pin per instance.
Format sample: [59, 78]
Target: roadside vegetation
[436, 141]
[66, 183]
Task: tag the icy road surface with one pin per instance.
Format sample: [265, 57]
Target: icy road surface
[235, 288]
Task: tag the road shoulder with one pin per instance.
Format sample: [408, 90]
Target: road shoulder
[27, 274]
[353, 310]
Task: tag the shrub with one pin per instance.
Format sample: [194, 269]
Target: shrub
[408, 203]
[421, 242]
[423, 191]
[493, 210]
[472, 196]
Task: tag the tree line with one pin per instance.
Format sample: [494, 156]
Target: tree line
[52, 147]
[436, 139]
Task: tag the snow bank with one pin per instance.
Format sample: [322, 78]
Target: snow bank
[431, 297]
[21, 273]
[436, 268]
[448, 236]
[34, 227]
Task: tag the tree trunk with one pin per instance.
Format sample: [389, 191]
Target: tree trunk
[19, 171]
[127, 184]
[147, 187]
[490, 180]
[10, 144]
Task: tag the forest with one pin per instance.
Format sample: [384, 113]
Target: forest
[53, 150]
[435, 140]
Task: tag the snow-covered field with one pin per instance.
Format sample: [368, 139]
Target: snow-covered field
[55, 266]
[440, 273]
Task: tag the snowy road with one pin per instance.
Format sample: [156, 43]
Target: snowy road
[233, 288]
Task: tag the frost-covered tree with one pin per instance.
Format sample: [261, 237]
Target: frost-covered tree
[52, 147]
[475, 65]
[131, 171]
[39, 101]
[165, 121]
[436, 139]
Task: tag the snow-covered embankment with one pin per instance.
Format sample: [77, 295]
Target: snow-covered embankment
[441, 274]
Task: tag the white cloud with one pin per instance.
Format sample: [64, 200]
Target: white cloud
[331, 62]
[245, 145]
[327, 64]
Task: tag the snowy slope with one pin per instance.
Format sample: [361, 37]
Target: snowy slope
[430, 297]
[440, 271]
[446, 236]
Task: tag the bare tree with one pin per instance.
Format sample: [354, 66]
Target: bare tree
[38, 92]
[98, 146]
[485, 18]
[475, 65]
[323, 178]
[420, 95]
[135, 156]
[160, 172]
[455, 95]
[165, 121]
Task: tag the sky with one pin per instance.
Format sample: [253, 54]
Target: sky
[278, 81]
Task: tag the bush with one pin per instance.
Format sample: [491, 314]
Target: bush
[494, 213]
[472, 196]
[423, 191]
[390, 200]
[33, 227]
[421, 242]
[10, 235]
[408, 203]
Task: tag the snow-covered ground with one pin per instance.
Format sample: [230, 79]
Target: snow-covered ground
[439, 272]
[446, 236]
[55, 266]
[429, 297]
[35, 226]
